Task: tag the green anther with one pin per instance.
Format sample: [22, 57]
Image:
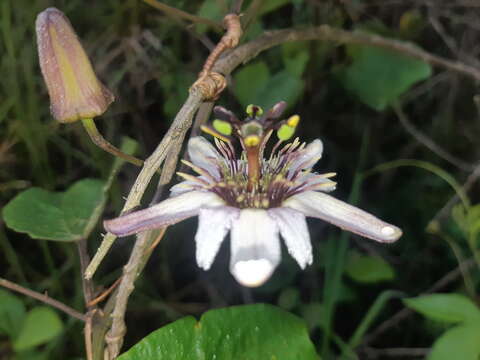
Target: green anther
[223, 127]
[285, 132]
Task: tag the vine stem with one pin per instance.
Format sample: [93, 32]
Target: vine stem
[101, 142]
[43, 298]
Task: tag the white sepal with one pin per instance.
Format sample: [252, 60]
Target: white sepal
[167, 212]
[348, 217]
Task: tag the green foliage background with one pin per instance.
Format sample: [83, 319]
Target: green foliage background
[344, 95]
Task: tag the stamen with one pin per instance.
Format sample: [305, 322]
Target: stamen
[198, 170]
[192, 178]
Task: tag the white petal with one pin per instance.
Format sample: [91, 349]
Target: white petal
[348, 217]
[203, 154]
[308, 156]
[294, 230]
[167, 212]
[213, 225]
[255, 247]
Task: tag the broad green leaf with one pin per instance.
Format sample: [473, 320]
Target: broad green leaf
[12, 314]
[449, 308]
[379, 76]
[296, 64]
[249, 81]
[209, 10]
[295, 56]
[461, 342]
[60, 216]
[41, 325]
[240, 332]
[255, 85]
[368, 269]
[281, 86]
[63, 216]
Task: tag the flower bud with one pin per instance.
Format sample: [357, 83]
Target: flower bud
[75, 92]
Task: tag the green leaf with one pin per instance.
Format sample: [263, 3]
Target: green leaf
[209, 10]
[239, 332]
[368, 269]
[12, 314]
[60, 216]
[41, 325]
[296, 65]
[295, 56]
[255, 85]
[449, 308]
[249, 81]
[461, 342]
[379, 76]
[282, 86]
[63, 216]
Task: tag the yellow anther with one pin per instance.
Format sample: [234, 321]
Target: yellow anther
[240, 198]
[251, 140]
[293, 121]
[223, 127]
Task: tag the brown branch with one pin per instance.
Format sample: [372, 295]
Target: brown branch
[87, 287]
[180, 14]
[43, 298]
[104, 294]
[327, 33]
[140, 254]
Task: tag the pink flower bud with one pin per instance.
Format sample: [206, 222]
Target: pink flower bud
[75, 92]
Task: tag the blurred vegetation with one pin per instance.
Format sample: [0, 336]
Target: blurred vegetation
[367, 105]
